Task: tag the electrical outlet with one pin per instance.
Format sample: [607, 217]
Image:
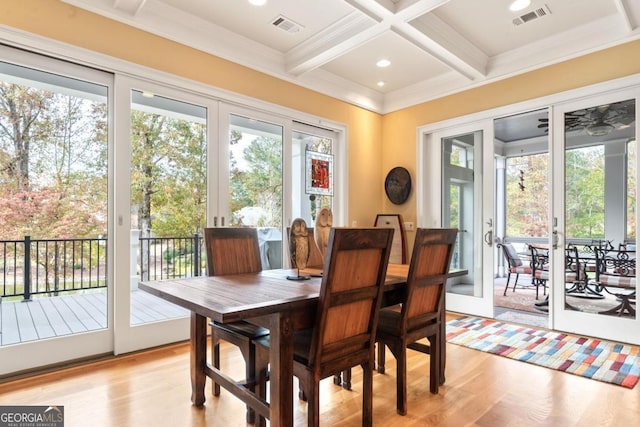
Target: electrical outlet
[408, 226]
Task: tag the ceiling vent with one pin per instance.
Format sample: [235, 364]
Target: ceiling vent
[532, 15]
[286, 24]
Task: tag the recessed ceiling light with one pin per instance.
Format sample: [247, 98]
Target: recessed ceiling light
[258, 2]
[380, 83]
[517, 5]
[383, 63]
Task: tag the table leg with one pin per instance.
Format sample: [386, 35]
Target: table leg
[281, 374]
[198, 358]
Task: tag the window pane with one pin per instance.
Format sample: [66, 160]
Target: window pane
[53, 199]
[527, 196]
[168, 197]
[584, 192]
[307, 206]
[631, 191]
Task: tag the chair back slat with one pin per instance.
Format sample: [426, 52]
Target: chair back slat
[232, 250]
[350, 296]
[427, 277]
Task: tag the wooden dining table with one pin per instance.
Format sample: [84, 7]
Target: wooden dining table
[267, 299]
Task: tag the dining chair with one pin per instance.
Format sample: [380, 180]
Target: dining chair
[235, 251]
[516, 265]
[343, 335]
[421, 313]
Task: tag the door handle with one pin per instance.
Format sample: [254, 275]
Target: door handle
[488, 238]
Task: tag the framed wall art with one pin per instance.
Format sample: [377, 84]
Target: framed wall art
[319, 170]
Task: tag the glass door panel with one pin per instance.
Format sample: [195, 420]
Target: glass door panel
[598, 211]
[307, 202]
[466, 200]
[168, 198]
[55, 291]
[255, 183]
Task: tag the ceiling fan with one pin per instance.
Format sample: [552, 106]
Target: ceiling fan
[598, 121]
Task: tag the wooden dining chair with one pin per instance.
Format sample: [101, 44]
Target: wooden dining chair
[235, 251]
[347, 313]
[421, 314]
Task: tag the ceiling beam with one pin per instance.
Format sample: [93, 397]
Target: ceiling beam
[343, 36]
[131, 7]
[373, 18]
[623, 10]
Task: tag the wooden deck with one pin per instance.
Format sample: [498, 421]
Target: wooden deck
[47, 317]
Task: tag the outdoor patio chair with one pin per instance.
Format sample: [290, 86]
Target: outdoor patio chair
[539, 268]
[616, 275]
[516, 265]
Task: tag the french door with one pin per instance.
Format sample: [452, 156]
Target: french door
[455, 172]
[594, 205]
[160, 205]
[56, 147]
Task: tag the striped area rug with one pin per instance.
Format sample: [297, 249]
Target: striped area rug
[588, 357]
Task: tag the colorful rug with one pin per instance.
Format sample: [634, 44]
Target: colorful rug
[588, 357]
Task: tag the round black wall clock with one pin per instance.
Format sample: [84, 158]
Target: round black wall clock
[397, 185]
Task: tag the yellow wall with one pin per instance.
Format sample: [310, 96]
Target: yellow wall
[376, 143]
[59, 21]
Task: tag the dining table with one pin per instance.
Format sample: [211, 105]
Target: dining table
[267, 299]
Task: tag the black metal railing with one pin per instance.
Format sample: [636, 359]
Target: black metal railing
[50, 266]
[170, 257]
[31, 267]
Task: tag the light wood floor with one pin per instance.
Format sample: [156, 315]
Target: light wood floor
[152, 388]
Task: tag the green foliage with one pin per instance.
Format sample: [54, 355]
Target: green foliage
[259, 182]
[527, 209]
[168, 174]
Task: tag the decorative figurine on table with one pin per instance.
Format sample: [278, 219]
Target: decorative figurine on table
[299, 247]
[324, 222]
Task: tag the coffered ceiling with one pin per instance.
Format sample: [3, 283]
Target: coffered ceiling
[435, 47]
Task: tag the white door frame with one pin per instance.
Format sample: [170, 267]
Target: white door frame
[603, 326]
[429, 207]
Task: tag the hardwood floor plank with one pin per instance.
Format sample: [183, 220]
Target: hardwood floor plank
[151, 388]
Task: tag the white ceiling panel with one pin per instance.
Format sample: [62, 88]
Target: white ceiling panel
[436, 47]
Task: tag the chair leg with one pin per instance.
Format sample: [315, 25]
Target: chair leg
[434, 363]
[367, 395]
[516, 282]
[381, 357]
[251, 378]
[504, 294]
[215, 354]
[313, 406]
[401, 380]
